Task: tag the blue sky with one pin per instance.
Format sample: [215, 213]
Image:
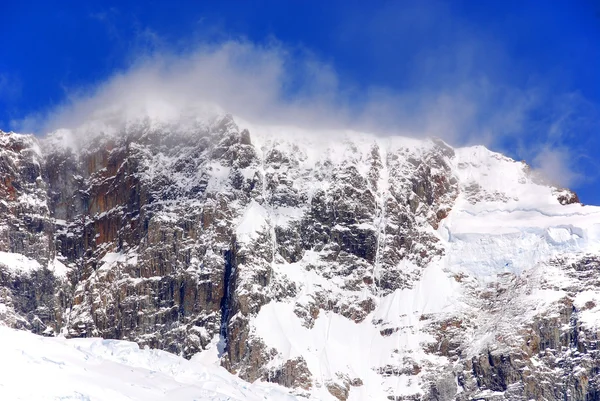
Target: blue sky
[518, 76]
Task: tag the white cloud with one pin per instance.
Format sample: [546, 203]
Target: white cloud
[273, 84]
[242, 78]
[556, 166]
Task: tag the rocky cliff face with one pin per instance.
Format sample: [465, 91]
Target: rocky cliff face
[340, 265]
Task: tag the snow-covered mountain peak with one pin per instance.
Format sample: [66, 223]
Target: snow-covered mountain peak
[340, 264]
[488, 176]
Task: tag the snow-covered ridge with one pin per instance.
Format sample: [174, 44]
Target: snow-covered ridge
[40, 368]
[483, 173]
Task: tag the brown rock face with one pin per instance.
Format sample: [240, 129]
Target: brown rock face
[25, 225]
[294, 374]
[33, 298]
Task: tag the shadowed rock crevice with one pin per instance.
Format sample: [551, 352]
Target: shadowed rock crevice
[226, 305]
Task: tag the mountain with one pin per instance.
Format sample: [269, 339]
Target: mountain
[338, 264]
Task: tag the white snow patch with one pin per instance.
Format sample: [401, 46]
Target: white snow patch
[252, 222]
[98, 370]
[18, 263]
[110, 259]
[589, 304]
[58, 268]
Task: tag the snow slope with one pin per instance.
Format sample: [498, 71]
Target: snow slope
[506, 222]
[41, 368]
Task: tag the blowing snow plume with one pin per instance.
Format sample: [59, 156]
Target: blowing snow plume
[276, 85]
